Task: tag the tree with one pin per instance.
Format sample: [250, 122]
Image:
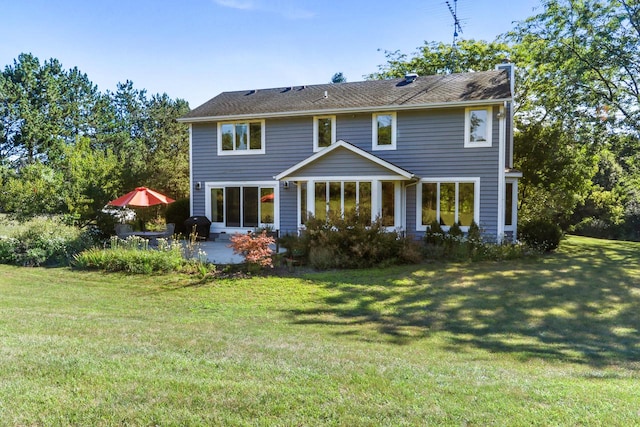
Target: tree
[338, 78]
[91, 177]
[128, 135]
[168, 145]
[440, 58]
[36, 189]
[583, 53]
[579, 65]
[557, 170]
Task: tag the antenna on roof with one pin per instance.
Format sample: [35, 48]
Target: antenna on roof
[456, 22]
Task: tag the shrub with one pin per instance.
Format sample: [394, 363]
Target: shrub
[434, 234]
[132, 255]
[254, 247]
[540, 234]
[177, 212]
[350, 241]
[43, 241]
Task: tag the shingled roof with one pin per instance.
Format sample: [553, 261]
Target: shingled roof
[424, 91]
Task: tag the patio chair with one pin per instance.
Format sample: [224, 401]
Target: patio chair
[171, 227]
[124, 230]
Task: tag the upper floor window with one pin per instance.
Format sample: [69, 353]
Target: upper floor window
[241, 138]
[324, 132]
[477, 127]
[384, 131]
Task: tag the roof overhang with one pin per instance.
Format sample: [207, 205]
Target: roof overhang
[398, 173]
[512, 173]
[344, 110]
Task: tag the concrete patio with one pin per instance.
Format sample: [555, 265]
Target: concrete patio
[219, 252]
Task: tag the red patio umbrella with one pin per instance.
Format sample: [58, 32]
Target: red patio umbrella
[141, 196]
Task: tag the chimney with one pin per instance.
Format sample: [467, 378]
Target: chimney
[511, 69]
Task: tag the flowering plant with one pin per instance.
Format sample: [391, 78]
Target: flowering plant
[254, 247]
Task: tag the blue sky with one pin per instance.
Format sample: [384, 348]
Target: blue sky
[195, 49]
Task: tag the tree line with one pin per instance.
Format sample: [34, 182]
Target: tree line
[67, 148]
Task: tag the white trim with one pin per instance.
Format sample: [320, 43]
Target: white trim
[286, 175]
[514, 206]
[248, 151]
[456, 180]
[317, 148]
[501, 171]
[374, 131]
[514, 209]
[219, 227]
[376, 196]
[191, 183]
[296, 113]
[467, 128]
[347, 178]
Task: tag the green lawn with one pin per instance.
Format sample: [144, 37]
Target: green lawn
[553, 341]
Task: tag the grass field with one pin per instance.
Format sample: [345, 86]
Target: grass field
[552, 341]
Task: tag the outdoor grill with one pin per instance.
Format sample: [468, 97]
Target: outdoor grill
[202, 225]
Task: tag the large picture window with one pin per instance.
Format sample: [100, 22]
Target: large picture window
[241, 138]
[338, 198]
[242, 206]
[324, 132]
[448, 202]
[477, 127]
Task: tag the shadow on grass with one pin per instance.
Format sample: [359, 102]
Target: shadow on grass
[580, 305]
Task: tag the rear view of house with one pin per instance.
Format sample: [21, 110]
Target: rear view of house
[410, 151]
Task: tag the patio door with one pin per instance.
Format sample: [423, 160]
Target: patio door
[248, 206]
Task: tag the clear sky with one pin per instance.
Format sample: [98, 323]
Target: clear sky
[195, 49]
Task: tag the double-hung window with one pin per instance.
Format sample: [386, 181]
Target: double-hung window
[236, 138]
[477, 127]
[383, 128]
[324, 132]
[448, 202]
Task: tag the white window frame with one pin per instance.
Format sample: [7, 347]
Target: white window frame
[220, 226]
[316, 147]
[376, 196]
[467, 127]
[374, 131]
[514, 206]
[248, 151]
[476, 200]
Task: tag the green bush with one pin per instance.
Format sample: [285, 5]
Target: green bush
[43, 241]
[349, 241]
[132, 255]
[177, 212]
[541, 234]
[454, 245]
[435, 234]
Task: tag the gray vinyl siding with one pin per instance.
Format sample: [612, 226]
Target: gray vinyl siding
[430, 144]
[342, 162]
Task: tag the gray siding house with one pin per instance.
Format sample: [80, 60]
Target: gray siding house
[409, 151]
